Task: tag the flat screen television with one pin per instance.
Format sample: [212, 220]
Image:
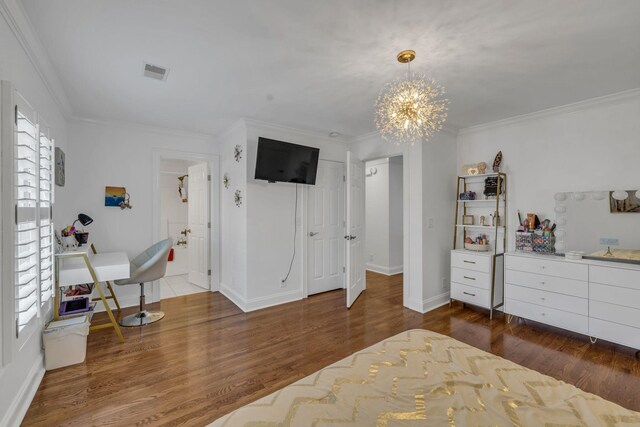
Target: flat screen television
[279, 161]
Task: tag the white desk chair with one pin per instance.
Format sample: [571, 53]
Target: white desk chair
[150, 265]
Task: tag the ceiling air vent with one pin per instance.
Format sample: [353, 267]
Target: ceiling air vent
[155, 72]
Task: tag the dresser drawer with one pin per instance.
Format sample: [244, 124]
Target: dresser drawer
[614, 295]
[614, 313]
[468, 261]
[559, 285]
[551, 316]
[548, 267]
[471, 278]
[548, 299]
[614, 332]
[471, 295]
[615, 276]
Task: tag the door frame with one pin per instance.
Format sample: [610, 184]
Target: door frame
[305, 231]
[405, 216]
[213, 162]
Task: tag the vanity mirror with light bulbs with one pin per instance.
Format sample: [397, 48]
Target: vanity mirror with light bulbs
[600, 224]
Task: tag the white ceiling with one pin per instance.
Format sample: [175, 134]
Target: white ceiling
[319, 64]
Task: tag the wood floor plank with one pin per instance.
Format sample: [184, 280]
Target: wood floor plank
[207, 357]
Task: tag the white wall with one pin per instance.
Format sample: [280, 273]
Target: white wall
[377, 215]
[396, 233]
[592, 145]
[23, 368]
[270, 221]
[233, 283]
[383, 211]
[120, 155]
[174, 212]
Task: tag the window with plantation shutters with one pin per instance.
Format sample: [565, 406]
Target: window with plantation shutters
[31, 148]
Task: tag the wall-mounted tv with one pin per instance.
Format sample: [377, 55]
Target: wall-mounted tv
[279, 161]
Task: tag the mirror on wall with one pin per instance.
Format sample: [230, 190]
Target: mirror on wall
[599, 223]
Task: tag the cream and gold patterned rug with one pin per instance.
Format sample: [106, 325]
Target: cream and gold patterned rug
[420, 378]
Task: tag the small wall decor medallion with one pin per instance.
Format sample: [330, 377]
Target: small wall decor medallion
[237, 153]
[238, 198]
[225, 180]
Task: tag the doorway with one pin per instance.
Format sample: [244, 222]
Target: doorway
[384, 216]
[185, 201]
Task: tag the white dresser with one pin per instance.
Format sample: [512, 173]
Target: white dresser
[471, 274]
[596, 298]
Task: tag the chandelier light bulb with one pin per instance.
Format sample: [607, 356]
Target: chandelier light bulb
[410, 110]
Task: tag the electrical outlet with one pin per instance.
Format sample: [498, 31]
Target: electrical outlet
[370, 257]
[609, 241]
[283, 283]
[430, 223]
[444, 283]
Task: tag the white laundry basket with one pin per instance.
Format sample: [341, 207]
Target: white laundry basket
[65, 342]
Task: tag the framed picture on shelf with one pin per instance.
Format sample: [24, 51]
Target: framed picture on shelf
[467, 219]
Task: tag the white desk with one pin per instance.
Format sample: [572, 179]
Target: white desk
[83, 265]
[107, 266]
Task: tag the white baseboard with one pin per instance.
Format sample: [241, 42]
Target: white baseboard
[411, 304]
[254, 304]
[233, 296]
[271, 300]
[435, 302]
[387, 271]
[24, 396]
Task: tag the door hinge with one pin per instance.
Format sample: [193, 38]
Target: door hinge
[208, 225]
[344, 269]
[344, 178]
[16, 213]
[15, 117]
[208, 177]
[209, 272]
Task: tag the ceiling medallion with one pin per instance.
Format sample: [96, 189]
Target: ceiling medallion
[412, 109]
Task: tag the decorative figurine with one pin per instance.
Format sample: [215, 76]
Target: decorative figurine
[497, 161]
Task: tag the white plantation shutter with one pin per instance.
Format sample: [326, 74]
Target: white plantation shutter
[27, 168]
[46, 208]
[32, 182]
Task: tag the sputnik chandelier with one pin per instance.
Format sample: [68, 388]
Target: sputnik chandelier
[411, 110]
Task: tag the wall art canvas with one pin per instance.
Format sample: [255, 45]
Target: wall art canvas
[59, 166]
[114, 196]
[631, 204]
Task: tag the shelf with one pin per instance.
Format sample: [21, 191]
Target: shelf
[479, 201]
[486, 227]
[483, 175]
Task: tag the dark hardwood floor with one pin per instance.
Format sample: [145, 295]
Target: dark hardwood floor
[206, 357]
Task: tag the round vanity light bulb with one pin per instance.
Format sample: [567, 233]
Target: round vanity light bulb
[577, 196]
[620, 195]
[598, 195]
[560, 197]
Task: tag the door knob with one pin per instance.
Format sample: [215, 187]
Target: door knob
[313, 233]
[349, 237]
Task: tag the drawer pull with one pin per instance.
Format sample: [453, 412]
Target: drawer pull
[544, 314]
[470, 278]
[542, 283]
[467, 293]
[542, 298]
[469, 262]
[542, 267]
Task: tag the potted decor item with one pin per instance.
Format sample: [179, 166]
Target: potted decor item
[82, 237]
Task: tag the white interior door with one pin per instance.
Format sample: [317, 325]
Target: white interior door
[325, 207]
[356, 279]
[198, 219]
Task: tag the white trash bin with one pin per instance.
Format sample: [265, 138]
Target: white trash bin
[65, 342]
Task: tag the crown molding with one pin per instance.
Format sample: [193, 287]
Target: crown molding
[562, 109]
[144, 128]
[221, 136]
[19, 23]
[303, 132]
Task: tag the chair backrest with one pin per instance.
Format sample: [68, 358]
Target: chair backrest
[151, 264]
